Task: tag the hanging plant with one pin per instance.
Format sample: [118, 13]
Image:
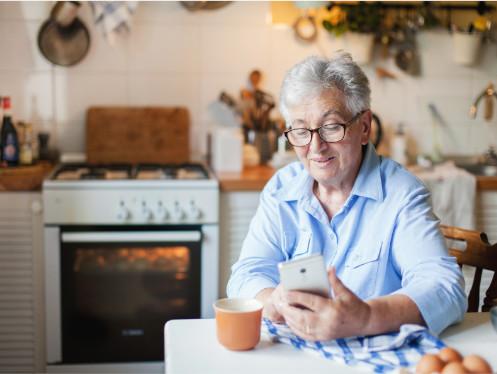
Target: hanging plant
[362, 18]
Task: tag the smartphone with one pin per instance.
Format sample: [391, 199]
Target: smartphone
[307, 274]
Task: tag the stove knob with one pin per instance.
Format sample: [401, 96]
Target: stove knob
[161, 213]
[178, 213]
[123, 213]
[146, 212]
[194, 213]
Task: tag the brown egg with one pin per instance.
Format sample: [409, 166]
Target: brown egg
[454, 368]
[430, 364]
[448, 354]
[476, 364]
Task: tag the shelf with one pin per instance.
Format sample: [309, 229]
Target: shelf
[480, 6]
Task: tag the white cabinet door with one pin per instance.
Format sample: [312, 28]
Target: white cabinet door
[21, 282]
[237, 210]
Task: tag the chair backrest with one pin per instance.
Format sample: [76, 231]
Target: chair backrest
[471, 247]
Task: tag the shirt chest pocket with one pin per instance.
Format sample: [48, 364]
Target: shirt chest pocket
[361, 270]
[303, 246]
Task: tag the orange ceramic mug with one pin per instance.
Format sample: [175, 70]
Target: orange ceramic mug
[238, 323]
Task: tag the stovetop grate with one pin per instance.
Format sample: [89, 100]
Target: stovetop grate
[82, 171]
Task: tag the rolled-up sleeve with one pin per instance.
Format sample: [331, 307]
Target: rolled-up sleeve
[430, 277]
[256, 268]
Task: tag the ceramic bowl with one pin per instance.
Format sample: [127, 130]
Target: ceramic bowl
[493, 317]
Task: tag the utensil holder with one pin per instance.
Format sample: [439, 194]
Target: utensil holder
[263, 144]
[465, 47]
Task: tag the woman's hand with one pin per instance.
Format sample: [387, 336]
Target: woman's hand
[272, 298]
[324, 318]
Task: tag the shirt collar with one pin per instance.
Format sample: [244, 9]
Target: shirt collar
[368, 181]
[300, 188]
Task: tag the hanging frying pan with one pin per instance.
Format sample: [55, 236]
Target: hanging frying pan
[63, 39]
[376, 130]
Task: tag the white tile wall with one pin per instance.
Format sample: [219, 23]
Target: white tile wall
[177, 57]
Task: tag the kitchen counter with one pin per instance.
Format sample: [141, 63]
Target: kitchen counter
[251, 178]
[254, 178]
[484, 183]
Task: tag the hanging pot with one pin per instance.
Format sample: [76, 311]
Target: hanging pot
[376, 130]
[406, 55]
[63, 39]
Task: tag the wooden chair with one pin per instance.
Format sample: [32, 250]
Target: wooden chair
[472, 248]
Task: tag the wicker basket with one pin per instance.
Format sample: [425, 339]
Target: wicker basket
[23, 178]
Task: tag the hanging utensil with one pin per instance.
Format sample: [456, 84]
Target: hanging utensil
[63, 39]
[489, 95]
[305, 28]
[439, 122]
[407, 58]
[489, 103]
[376, 130]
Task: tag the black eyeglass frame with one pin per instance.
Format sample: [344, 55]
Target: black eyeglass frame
[345, 125]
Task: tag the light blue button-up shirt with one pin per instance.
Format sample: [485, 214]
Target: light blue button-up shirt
[385, 239]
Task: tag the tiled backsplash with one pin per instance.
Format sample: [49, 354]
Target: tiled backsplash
[176, 57]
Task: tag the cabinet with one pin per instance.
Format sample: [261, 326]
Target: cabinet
[237, 210]
[21, 282]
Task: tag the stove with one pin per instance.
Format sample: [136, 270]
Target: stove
[128, 194]
[127, 248]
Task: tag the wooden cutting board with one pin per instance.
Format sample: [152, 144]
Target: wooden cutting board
[137, 135]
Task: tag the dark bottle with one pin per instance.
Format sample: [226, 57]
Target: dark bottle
[9, 151]
[1, 115]
[46, 152]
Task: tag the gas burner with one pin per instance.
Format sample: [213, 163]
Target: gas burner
[92, 172]
[82, 172]
[151, 172]
[191, 172]
[184, 171]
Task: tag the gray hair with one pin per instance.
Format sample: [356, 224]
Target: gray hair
[312, 76]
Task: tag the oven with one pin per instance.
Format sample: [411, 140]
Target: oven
[116, 270]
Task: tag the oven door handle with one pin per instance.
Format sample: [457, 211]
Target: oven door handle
[133, 236]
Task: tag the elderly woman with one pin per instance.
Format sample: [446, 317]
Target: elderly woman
[367, 215]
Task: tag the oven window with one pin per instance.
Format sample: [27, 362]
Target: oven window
[116, 298]
[105, 280]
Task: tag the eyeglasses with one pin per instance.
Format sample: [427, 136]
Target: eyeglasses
[329, 133]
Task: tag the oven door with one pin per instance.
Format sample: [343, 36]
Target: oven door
[120, 285]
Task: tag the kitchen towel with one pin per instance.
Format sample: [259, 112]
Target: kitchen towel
[113, 17]
[378, 353]
[448, 185]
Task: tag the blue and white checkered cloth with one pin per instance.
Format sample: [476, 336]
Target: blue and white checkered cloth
[113, 17]
[378, 353]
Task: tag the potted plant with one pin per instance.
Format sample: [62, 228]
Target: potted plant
[358, 23]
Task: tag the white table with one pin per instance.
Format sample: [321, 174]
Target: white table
[191, 347]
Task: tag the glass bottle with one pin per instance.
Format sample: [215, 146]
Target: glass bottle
[26, 151]
[10, 143]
